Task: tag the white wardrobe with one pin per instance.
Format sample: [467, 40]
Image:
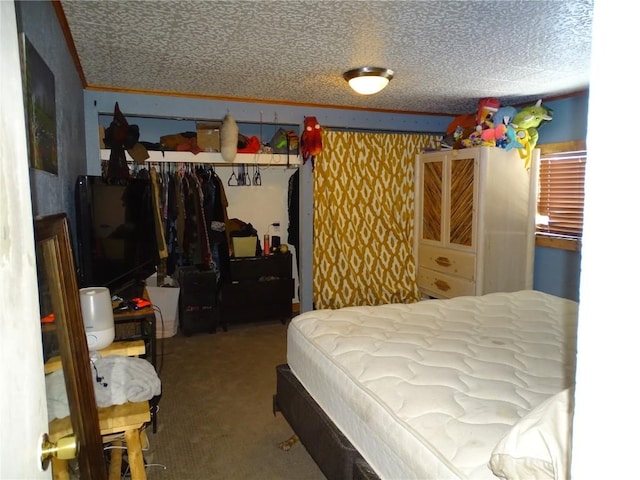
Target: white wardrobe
[475, 221]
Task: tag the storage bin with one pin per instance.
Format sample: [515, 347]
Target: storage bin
[166, 299]
[199, 309]
[199, 319]
[198, 287]
[244, 246]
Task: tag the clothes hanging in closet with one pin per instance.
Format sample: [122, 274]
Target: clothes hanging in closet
[157, 189]
[294, 212]
[194, 212]
[220, 225]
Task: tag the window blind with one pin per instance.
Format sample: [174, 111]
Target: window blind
[561, 193]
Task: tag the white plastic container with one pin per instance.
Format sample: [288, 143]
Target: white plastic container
[97, 315]
[166, 300]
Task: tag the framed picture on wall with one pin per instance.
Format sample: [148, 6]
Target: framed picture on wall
[40, 109]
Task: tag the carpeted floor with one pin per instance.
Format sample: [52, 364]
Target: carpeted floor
[215, 417]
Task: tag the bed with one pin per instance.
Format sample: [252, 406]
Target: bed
[464, 388]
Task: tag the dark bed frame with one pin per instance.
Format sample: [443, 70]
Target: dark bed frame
[335, 455]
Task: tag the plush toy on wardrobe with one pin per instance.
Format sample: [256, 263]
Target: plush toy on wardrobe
[531, 118]
[465, 131]
[526, 123]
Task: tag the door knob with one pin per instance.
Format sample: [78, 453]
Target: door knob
[65, 448]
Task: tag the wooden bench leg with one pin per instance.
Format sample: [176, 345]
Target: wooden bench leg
[134, 452]
[115, 466]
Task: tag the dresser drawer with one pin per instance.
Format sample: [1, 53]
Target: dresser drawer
[277, 265]
[442, 285]
[254, 300]
[448, 261]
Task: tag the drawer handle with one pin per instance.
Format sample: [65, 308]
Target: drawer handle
[443, 261]
[442, 285]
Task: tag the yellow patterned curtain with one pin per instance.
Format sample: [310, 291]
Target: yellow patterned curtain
[363, 218]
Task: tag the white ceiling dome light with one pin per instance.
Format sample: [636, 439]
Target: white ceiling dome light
[368, 80]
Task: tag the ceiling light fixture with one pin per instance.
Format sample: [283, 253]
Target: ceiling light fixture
[368, 80]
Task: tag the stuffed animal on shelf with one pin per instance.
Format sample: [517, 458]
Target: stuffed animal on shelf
[465, 131]
[507, 138]
[526, 122]
[487, 107]
[461, 123]
[531, 118]
[524, 138]
[492, 136]
[512, 140]
[473, 139]
[311, 139]
[504, 115]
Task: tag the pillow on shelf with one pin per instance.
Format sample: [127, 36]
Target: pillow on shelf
[539, 445]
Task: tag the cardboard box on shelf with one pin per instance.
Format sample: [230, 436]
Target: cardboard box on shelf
[208, 134]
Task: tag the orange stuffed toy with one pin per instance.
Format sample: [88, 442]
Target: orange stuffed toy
[464, 131]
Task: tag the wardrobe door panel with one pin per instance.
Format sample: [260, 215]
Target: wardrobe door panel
[432, 195]
[461, 202]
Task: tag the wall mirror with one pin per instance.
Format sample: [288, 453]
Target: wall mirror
[59, 293]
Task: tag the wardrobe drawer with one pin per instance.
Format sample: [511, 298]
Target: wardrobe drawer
[442, 285]
[448, 261]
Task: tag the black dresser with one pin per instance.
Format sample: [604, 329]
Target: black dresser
[258, 288]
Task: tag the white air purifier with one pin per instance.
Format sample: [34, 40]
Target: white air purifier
[97, 314]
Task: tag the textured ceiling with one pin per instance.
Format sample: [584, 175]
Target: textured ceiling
[446, 54]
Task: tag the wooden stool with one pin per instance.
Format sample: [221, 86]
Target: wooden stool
[115, 422]
[130, 348]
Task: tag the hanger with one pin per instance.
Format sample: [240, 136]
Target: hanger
[246, 177]
[257, 178]
[243, 178]
[233, 179]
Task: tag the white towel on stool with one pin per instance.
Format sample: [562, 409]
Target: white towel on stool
[57, 403]
[118, 380]
[127, 379]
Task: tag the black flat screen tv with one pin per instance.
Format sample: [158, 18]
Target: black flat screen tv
[116, 236]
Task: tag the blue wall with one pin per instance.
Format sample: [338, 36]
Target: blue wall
[55, 193]
[569, 120]
[558, 271]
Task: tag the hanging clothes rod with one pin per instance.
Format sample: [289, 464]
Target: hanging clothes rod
[265, 159]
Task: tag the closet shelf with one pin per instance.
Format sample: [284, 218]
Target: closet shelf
[215, 158]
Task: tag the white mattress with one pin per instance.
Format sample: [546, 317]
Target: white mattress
[427, 390]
